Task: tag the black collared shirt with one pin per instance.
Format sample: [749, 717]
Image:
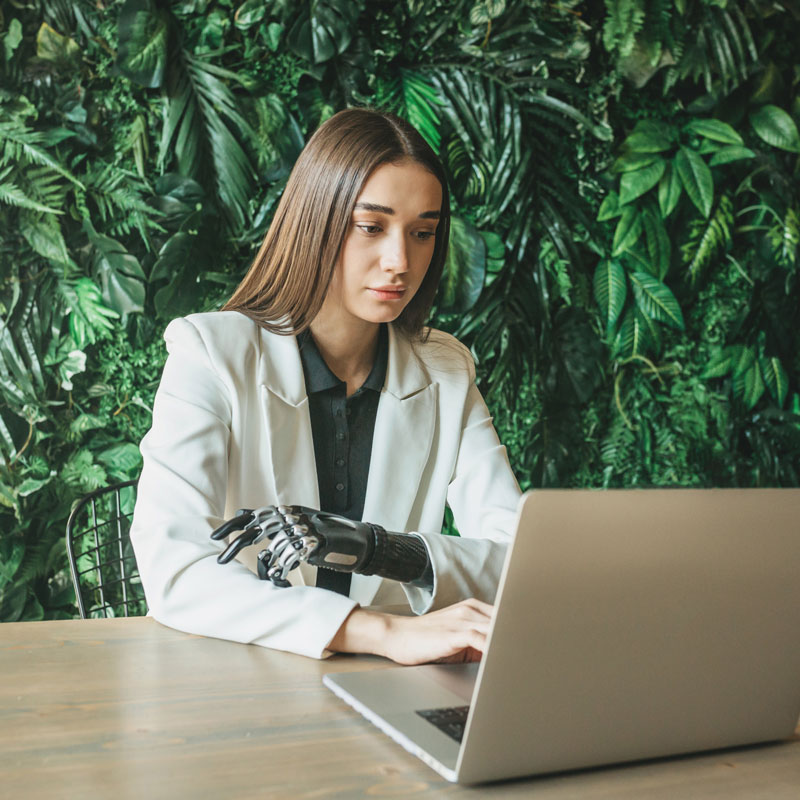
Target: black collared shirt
[342, 428]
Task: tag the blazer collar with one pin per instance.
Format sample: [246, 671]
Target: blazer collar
[282, 369]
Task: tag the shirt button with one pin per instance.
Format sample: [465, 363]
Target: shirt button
[339, 462]
[339, 487]
[340, 436]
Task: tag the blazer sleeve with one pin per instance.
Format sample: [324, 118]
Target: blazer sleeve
[181, 500]
[483, 495]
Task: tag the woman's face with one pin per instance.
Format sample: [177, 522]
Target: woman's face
[389, 244]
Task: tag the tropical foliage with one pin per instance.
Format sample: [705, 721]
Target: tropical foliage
[624, 253]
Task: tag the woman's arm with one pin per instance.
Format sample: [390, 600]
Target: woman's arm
[453, 634]
[181, 499]
[483, 495]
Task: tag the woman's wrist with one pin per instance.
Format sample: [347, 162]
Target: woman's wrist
[362, 632]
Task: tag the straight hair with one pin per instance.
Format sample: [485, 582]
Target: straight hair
[287, 282]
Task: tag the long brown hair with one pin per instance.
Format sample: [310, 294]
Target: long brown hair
[285, 286]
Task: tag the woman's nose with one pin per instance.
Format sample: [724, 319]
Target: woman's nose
[394, 257]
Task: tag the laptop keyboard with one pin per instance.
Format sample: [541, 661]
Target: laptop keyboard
[448, 720]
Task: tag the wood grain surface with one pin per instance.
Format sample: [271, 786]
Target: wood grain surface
[130, 709]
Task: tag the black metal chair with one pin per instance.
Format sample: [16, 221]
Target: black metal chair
[101, 557]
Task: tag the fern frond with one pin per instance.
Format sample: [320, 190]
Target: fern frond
[21, 146]
[784, 237]
[708, 239]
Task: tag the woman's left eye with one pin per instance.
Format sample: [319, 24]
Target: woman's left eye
[425, 235]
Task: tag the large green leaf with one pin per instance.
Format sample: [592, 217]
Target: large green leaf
[714, 129]
[609, 208]
[204, 121]
[669, 190]
[629, 162]
[628, 230]
[637, 335]
[119, 273]
[659, 247]
[90, 318]
[732, 153]
[464, 269]
[719, 365]
[635, 183]
[776, 127]
[775, 377]
[143, 31]
[323, 29]
[610, 291]
[421, 100]
[655, 300]
[696, 179]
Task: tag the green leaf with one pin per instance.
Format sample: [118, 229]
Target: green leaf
[421, 99]
[775, 377]
[719, 365]
[659, 246]
[610, 291]
[119, 273]
[752, 386]
[707, 239]
[732, 153]
[45, 237]
[143, 30]
[644, 143]
[655, 300]
[636, 183]
[714, 129]
[323, 29]
[90, 318]
[609, 208]
[629, 162]
[628, 230]
[776, 128]
[274, 34]
[52, 46]
[123, 461]
[31, 485]
[637, 335]
[465, 267]
[12, 39]
[669, 190]
[12, 551]
[249, 13]
[696, 179]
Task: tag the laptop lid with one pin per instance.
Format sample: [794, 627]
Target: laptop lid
[639, 623]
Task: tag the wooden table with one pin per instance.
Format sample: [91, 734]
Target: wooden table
[130, 709]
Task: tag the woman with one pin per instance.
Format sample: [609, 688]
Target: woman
[318, 387]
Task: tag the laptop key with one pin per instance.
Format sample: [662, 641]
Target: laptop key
[451, 721]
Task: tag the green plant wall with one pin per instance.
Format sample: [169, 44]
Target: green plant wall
[624, 254]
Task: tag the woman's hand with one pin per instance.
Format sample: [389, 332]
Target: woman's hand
[453, 634]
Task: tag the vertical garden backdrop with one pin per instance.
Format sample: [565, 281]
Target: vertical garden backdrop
[624, 255]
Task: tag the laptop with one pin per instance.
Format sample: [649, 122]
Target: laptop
[628, 624]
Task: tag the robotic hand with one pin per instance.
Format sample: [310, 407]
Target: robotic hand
[298, 533]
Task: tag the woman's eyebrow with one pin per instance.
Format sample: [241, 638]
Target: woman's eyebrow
[386, 210]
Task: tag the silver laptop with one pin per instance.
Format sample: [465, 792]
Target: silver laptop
[628, 624]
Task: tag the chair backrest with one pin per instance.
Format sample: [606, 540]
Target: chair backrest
[101, 557]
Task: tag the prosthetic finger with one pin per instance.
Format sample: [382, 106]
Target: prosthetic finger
[239, 522]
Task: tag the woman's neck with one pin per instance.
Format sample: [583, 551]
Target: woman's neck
[348, 349]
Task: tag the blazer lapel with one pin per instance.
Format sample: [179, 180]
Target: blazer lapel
[401, 445]
[291, 443]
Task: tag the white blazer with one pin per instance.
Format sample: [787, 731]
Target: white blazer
[231, 429]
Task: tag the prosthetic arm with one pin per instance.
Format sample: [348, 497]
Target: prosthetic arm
[297, 533]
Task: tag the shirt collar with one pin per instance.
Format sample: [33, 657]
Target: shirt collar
[318, 375]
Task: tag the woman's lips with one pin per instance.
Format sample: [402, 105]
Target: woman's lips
[388, 292]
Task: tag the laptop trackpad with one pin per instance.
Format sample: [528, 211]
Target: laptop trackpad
[456, 678]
